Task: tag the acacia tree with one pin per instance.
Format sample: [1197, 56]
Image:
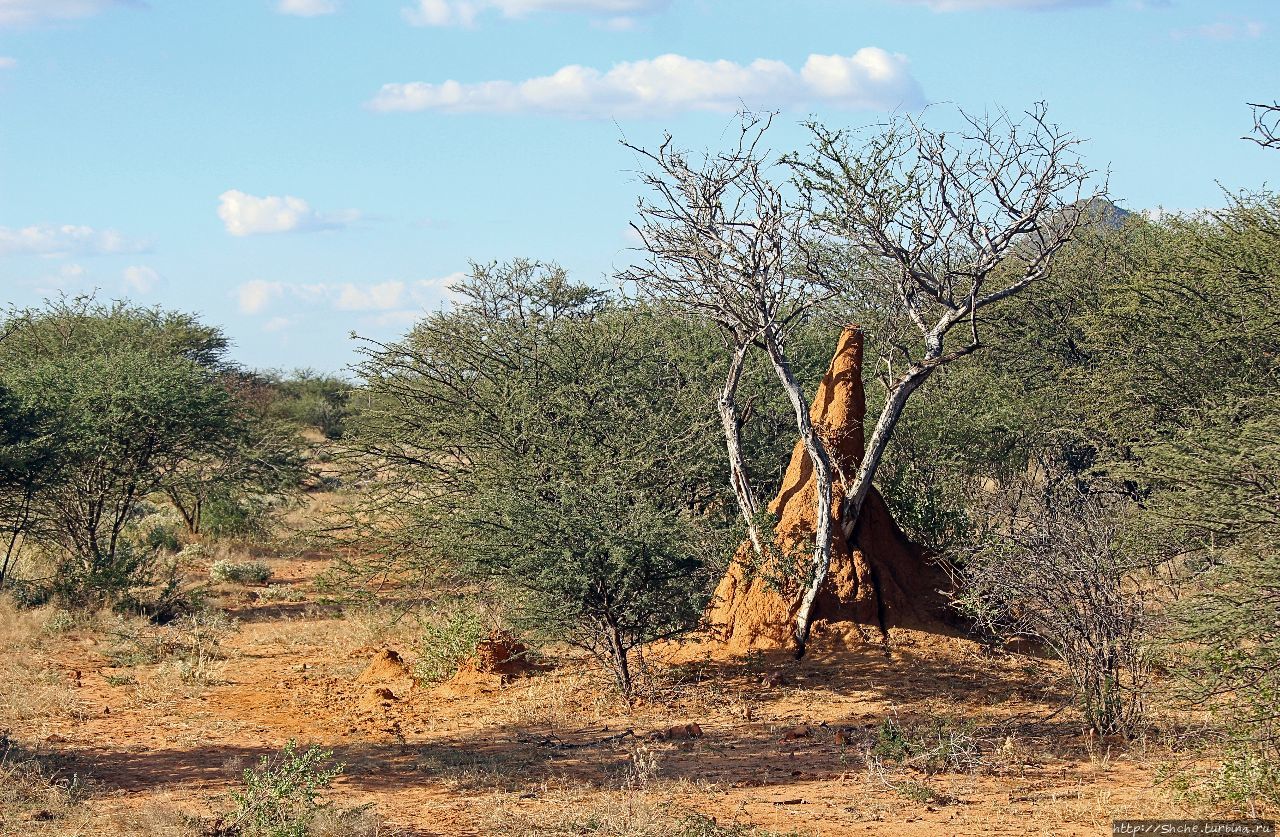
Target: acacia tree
[548, 440]
[251, 460]
[938, 226]
[29, 461]
[725, 245]
[132, 391]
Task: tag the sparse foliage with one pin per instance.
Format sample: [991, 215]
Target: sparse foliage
[1266, 124]
[724, 244]
[937, 227]
[1055, 569]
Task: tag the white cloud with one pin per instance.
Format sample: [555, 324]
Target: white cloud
[69, 277]
[1223, 30]
[441, 13]
[307, 8]
[245, 214]
[465, 12]
[970, 5]
[7, 63]
[254, 296]
[31, 12]
[141, 278]
[388, 298]
[378, 297]
[63, 240]
[622, 23]
[870, 78]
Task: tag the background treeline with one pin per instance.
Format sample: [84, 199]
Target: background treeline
[1106, 479]
[126, 433]
[1103, 479]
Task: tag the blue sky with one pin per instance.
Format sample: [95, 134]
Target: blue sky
[295, 170]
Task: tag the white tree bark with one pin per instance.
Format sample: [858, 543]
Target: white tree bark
[732, 424]
[818, 456]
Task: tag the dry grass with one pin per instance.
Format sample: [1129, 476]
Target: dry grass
[575, 695]
[579, 810]
[32, 791]
[352, 822]
[31, 691]
[160, 820]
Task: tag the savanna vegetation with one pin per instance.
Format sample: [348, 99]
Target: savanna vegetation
[1074, 411]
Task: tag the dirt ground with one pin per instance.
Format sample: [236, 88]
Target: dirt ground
[780, 747]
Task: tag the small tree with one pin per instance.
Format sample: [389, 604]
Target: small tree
[546, 438]
[280, 797]
[30, 461]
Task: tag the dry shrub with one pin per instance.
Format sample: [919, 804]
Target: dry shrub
[1062, 569]
[185, 656]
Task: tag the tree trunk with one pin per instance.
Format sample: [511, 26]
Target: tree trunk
[621, 667]
[817, 451]
[856, 492]
[190, 518]
[19, 527]
[732, 425]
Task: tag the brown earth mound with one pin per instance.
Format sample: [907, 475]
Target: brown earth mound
[387, 665]
[878, 578]
[498, 658]
[502, 654]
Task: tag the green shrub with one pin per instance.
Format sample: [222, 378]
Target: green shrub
[228, 514]
[279, 796]
[313, 400]
[162, 536]
[891, 742]
[449, 635]
[935, 745]
[1246, 782]
[30, 594]
[80, 584]
[281, 593]
[193, 553]
[156, 528]
[240, 572]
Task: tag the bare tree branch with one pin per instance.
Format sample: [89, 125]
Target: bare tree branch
[1266, 125]
[723, 243]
